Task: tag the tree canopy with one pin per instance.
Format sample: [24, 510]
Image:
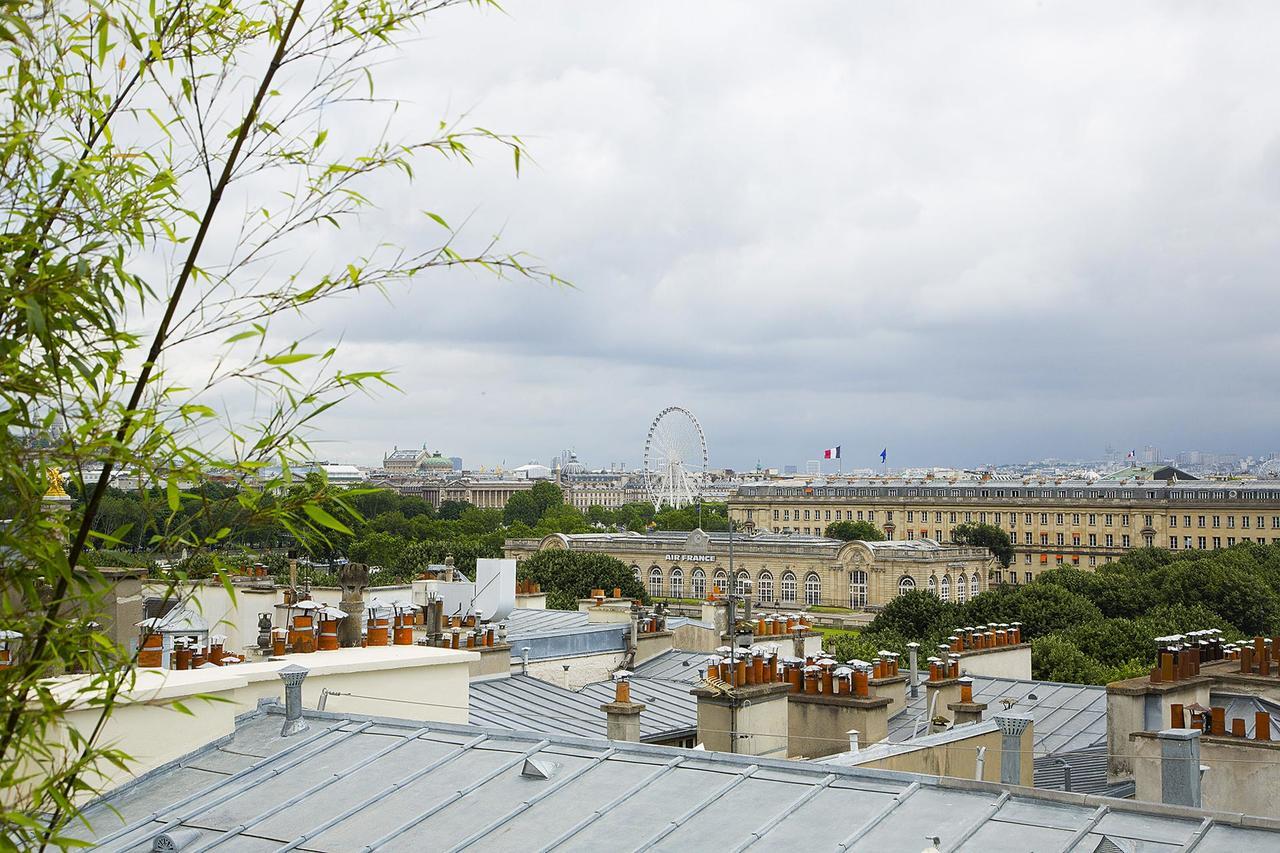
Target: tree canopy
[987, 536]
[567, 576]
[1093, 627]
[854, 531]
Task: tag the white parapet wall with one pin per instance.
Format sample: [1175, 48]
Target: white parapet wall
[412, 682]
[1000, 662]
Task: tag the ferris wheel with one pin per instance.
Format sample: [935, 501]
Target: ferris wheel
[675, 458]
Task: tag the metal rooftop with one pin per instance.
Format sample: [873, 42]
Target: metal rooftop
[530, 704]
[673, 665]
[358, 783]
[1067, 716]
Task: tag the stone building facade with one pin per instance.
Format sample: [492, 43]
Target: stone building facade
[785, 570]
[1050, 522]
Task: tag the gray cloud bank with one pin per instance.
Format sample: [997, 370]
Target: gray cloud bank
[972, 232]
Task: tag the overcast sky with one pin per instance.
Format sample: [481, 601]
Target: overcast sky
[968, 232]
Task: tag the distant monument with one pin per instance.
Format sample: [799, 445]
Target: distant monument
[353, 578]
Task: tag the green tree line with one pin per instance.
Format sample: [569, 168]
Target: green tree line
[1094, 627]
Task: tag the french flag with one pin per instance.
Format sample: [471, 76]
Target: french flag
[831, 452]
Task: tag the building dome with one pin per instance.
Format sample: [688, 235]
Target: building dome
[436, 462]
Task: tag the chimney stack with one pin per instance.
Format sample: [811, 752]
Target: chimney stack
[1012, 726]
[1180, 767]
[292, 676]
[623, 715]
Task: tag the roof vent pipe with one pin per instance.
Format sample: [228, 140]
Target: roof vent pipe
[980, 764]
[912, 648]
[524, 660]
[178, 839]
[292, 676]
[853, 740]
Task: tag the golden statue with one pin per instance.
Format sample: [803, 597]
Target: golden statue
[55, 484]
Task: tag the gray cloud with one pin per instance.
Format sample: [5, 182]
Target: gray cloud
[971, 233]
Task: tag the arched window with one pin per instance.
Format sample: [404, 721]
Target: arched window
[933, 584]
[906, 583]
[812, 589]
[721, 580]
[764, 587]
[858, 589]
[945, 587]
[962, 589]
[788, 586]
[699, 581]
[677, 583]
[742, 583]
[655, 581]
[635, 570]
[974, 583]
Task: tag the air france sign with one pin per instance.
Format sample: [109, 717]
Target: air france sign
[690, 558]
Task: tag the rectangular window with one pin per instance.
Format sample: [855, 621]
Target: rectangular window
[1199, 521]
[1217, 542]
[1231, 521]
[786, 515]
[1044, 538]
[911, 534]
[937, 534]
[838, 514]
[952, 517]
[1262, 521]
[1110, 540]
[1061, 540]
[806, 515]
[1124, 540]
[1059, 518]
[1075, 539]
[968, 517]
[1028, 534]
[911, 516]
[1027, 518]
[1244, 522]
[1148, 520]
[1200, 543]
[1075, 518]
[775, 515]
[1231, 540]
[1173, 545]
[1217, 521]
[1173, 521]
[1093, 519]
[871, 515]
[998, 519]
[1093, 561]
[982, 518]
[1124, 520]
[1044, 518]
[1028, 577]
[1106, 519]
[1027, 559]
[1093, 540]
[859, 515]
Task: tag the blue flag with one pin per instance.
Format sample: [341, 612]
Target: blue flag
[884, 454]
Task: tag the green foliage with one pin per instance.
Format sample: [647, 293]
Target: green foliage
[164, 180]
[854, 531]
[452, 510]
[567, 576]
[987, 536]
[1096, 627]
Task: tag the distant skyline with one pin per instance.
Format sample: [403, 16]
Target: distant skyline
[972, 233]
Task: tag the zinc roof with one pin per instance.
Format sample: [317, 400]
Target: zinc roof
[527, 703]
[360, 783]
